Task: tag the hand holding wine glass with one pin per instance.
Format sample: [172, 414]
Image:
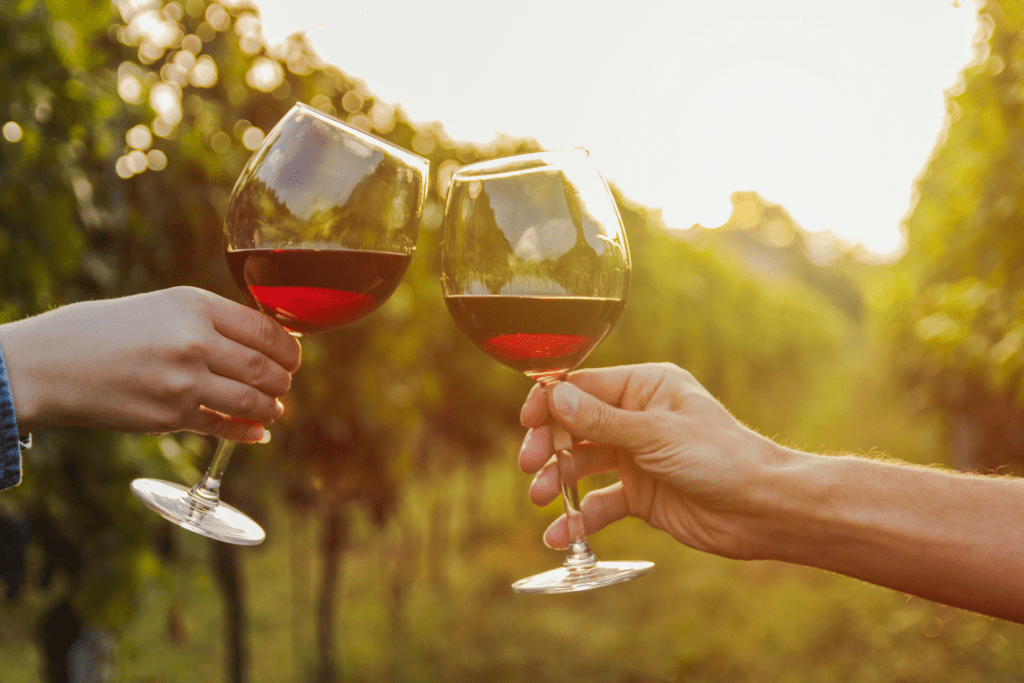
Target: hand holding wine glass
[535, 270]
[685, 465]
[177, 359]
[320, 228]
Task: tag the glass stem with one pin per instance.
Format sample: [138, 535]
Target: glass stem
[579, 556]
[208, 490]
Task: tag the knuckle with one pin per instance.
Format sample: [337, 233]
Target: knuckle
[601, 418]
[257, 366]
[286, 384]
[671, 370]
[266, 330]
[186, 296]
[250, 402]
[188, 345]
[177, 388]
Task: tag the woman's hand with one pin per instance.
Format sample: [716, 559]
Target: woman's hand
[171, 360]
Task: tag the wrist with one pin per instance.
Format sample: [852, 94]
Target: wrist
[789, 504]
[33, 401]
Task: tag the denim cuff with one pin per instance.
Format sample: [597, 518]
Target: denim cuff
[10, 443]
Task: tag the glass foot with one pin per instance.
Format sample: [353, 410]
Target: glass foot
[216, 520]
[572, 579]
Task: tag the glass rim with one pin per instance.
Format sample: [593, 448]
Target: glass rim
[519, 164]
[365, 136]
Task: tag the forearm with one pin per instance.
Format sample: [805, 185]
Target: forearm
[953, 538]
[34, 374]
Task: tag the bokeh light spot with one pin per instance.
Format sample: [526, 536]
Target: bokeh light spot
[360, 121]
[423, 143]
[382, 116]
[129, 88]
[218, 17]
[184, 59]
[82, 188]
[43, 111]
[174, 11]
[192, 44]
[253, 138]
[220, 142]
[12, 132]
[265, 74]
[156, 159]
[165, 98]
[162, 128]
[352, 101]
[137, 161]
[122, 168]
[206, 32]
[250, 45]
[139, 137]
[204, 73]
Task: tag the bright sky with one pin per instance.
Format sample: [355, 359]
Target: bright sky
[830, 109]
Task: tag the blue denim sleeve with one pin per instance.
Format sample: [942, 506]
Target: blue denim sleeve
[10, 444]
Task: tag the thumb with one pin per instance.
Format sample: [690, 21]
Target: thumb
[587, 417]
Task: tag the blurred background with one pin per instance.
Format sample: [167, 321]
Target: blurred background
[396, 516]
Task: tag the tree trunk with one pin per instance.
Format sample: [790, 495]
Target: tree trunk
[227, 572]
[474, 493]
[403, 577]
[57, 633]
[300, 582]
[332, 547]
[437, 545]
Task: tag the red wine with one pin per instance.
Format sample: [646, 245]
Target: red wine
[540, 336]
[309, 290]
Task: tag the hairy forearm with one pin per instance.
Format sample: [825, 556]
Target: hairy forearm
[949, 537]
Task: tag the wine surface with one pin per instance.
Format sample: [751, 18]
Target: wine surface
[540, 336]
[309, 290]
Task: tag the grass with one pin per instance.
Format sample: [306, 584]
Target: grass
[430, 601]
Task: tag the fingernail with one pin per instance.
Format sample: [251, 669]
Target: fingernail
[567, 399]
[265, 438]
[280, 406]
[550, 529]
[536, 480]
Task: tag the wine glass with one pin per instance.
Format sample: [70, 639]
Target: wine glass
[320, 228]
[535, 270]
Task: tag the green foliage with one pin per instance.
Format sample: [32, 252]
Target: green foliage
[743, 338]
[956, 301]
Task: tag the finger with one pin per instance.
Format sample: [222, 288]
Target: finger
[235, 399]
[600, 508]
[645, 382]
[589, 418]
[212, 423]
[590, 459]
[536, 449]
[249, 366]
[535, 409]
[256, 330]
[607, 384]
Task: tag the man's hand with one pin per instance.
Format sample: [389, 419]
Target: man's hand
[685, 464]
